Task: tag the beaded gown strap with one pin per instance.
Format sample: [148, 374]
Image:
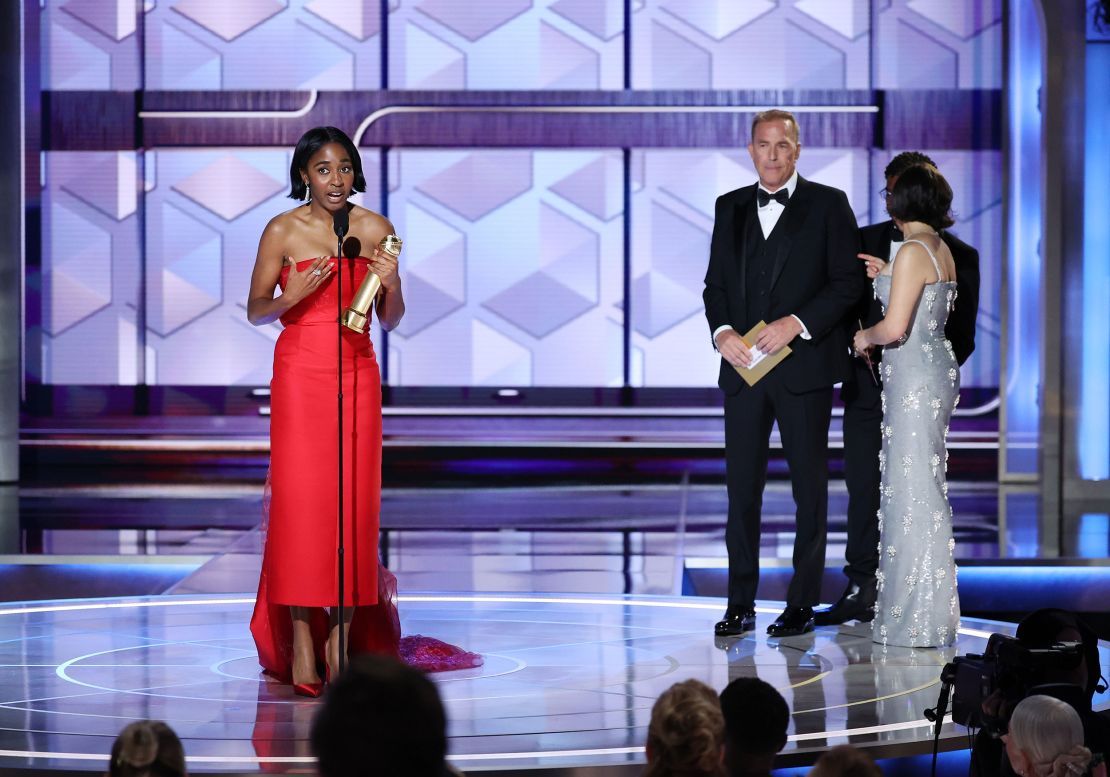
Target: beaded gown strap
[928, 250]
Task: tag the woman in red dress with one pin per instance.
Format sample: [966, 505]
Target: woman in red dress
[299, 574]
[294, 626]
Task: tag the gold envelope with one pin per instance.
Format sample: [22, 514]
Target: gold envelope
[755, 374]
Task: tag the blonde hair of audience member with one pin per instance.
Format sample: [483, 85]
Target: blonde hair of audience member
[147, 748]
[686, 736]
[1046, 739]
[845, 761]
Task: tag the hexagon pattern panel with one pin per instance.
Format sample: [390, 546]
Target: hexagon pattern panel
[206, 210]
[816, 44]
[753, 44]
[91, 269]
[204, 213]
[89, 45]
[938, 44]
[506, 44]
[522, 44]
[513, 267]
[263, 44]
[513, 258]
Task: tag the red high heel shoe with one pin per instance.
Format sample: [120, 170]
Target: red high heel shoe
[311, 690]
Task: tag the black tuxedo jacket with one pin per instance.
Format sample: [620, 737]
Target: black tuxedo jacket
[960, 329]
[816, 276]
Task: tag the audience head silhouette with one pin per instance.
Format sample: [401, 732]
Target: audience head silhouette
[686, 733]
[845, 761]
[1046, 627]
[147, 748]
[380, 718]
[1046, 739]
[756, 720]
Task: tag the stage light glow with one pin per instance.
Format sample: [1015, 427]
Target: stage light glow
[1093, 425]
[304, 110]
[389, 110]
[1022, 344]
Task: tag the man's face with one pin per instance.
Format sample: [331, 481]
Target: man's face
[889, 188]
[774, 152]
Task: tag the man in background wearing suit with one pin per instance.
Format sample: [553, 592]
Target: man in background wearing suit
[783, 251]
[863, 413]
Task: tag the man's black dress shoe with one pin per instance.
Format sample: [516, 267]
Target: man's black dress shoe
[794, 620]
[857, 603]
[736, 622]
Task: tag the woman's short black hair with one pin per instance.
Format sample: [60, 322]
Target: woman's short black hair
[311, 142]
[922, 194]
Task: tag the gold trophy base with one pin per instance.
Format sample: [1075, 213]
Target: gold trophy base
[354, 321]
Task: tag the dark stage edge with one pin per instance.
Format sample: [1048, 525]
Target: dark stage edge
[567, 686]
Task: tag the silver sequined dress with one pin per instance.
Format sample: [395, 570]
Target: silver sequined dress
[917, 603]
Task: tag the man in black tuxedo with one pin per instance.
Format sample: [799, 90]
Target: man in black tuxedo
[783, 251]
[863, 412]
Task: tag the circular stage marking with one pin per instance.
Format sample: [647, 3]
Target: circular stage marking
[217, 668]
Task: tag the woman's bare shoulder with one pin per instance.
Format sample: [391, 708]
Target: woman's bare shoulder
[286, 222]
[369, 221]
[912, 252]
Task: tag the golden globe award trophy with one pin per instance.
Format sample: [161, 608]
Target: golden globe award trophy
[356, 315]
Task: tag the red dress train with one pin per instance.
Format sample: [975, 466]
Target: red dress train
[299, 562]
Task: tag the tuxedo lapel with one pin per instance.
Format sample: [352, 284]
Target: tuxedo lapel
[744, 216]
[791, 222]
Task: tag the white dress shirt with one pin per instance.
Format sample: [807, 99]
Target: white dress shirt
[895, 247]
[769, 214]
[768, 217]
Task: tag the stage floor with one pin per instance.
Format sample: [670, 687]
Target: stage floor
[568, 681]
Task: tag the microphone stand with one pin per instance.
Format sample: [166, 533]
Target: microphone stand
[340, 233]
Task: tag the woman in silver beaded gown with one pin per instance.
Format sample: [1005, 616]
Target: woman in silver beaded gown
[917, 601]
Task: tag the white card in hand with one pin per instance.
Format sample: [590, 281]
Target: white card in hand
[757, 357]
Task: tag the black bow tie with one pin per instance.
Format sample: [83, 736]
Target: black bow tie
[762, 197]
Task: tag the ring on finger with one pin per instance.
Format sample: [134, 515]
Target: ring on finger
[317, 271]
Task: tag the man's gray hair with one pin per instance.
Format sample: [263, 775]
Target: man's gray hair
[776, 114]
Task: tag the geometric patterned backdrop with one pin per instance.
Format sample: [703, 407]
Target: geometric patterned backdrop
[263, 44]
[553, 44]
[938, 44]
[89, 46]
[204, 210]
[514, 271]
[513, 281]
[692, 44]
[91, 266]
[514, 257]
[556, 44]
[817, 44]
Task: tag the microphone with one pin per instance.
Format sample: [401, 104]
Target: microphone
[341, 222]
[355, 317]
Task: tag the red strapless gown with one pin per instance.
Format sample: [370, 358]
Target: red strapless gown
[299, 564]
